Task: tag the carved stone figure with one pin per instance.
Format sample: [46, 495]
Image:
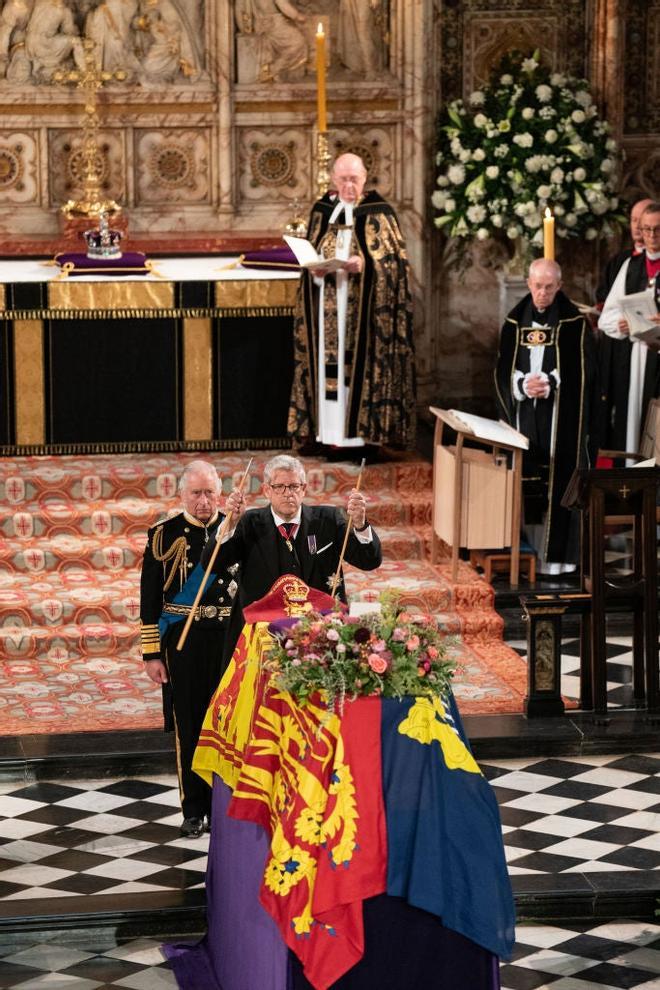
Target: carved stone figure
[358, 37]
[170, 49]
[52, 39]
[110, 26]
[271, 44]
[14, 63]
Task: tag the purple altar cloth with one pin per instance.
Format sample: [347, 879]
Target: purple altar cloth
[271, 258]
[77, 263]
[242, 949]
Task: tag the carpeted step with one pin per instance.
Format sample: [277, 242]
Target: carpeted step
[65, 551]
[89, 479]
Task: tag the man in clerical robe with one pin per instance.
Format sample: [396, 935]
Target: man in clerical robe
[544, 380]
[630, 369]
[354, 376]
[613, 265]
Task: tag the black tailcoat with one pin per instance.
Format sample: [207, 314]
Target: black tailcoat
[261, 551]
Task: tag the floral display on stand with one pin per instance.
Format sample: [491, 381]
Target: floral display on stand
[392, 653]
[530, 140]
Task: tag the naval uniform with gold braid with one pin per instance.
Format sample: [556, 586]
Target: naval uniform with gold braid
[173, 549]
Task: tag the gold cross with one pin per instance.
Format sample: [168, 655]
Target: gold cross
[624, 491]
[90, 79]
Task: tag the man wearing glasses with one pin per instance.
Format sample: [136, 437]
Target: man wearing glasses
[630, 369]
[289, 537]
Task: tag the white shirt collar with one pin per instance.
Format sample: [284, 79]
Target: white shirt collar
[280, 522]
[653, 255]
[347, 207]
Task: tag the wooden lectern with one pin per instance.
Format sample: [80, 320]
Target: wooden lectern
[477, 493]
[618, 492]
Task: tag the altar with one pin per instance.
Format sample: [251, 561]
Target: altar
[196, 353]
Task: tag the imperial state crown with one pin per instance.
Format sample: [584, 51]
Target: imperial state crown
[103, 242]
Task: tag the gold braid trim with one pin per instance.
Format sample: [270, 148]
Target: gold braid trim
[169, 313]
[176, 553]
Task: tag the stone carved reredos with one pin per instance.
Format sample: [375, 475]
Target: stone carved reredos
[155, 42]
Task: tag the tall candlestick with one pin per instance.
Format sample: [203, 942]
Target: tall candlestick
[548, 235]
[321, 119]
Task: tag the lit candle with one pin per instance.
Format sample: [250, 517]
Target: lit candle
[321, 119]
[548, 235]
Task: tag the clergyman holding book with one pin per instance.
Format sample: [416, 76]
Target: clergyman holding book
[354, 376]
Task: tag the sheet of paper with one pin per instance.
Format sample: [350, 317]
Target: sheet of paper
[308, 257]
[491, 430]
[638, 308]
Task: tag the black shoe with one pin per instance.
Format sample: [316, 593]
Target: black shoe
[192, 828]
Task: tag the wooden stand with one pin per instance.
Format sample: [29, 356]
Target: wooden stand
[631, 493]
[476, 494]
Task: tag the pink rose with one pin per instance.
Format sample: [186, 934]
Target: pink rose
[413, 643]
[379, 645]
[432, 652]
[398, 634]
[377, 663]
[332, 635]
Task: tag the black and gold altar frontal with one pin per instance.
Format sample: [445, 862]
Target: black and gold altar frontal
[130, 365]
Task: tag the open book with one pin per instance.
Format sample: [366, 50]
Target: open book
[484, 429]
[638, 308]
[308, 256]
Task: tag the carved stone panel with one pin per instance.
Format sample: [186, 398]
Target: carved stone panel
[19, 157]
[153, 42]
[642, 82]
[66, 164]
[173, 165]
[273, 164]
[489, 36]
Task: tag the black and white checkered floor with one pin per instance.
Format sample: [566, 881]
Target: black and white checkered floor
[608, 956]
[578, 815]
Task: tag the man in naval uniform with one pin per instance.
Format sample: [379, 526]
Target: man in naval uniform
[354, 376]
[544, 380]
[630, 369]
[288, 537]
[170, 578]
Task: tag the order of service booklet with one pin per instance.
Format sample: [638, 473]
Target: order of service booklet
[638, 308]
[308, 256]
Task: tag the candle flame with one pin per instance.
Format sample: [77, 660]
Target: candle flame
[319, 31]
[548, 214]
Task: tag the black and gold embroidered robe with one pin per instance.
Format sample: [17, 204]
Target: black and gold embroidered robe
[379, 369]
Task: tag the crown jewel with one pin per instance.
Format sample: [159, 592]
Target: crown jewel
[103, 242]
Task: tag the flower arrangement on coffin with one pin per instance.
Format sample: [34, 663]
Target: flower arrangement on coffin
[531, 139]
[392, 653]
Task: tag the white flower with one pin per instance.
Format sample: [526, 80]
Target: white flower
[450, 205]
[570, 219]
[456, 146]
[465, 155]
[551, 136]
[504, 126]
[477, 98]
[492, 171]
[476, 214]
[480, 120]
[544, 192]
[559, 210]
[443, 180]
[482, 234]
[610, 144]
[543, 93]
[590, 233]
[547, 113]
[579, 175]
[524, 140]
[578, 116]
[607, 165]
[557, 176]
[501, 150]
[497, 219]
[534, 163]
[583, 98]
[439, 199]
[529, 64]
[478, 154]
[506, 79]
[528, 113]
[533, 220]
[513, 231]
[558, 79]
[456, 174]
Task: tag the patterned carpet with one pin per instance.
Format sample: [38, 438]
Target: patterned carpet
[72, 531]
